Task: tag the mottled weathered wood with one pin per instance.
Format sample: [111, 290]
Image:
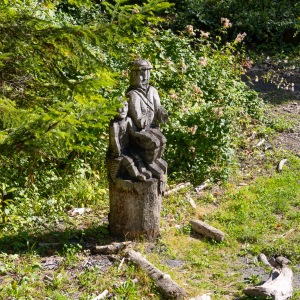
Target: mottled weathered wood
[277, 287]
[111, 248]
[163, 281]
[179, 187]
[207, 230]
[135, 208]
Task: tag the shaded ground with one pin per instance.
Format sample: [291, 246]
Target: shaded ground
[281, 89]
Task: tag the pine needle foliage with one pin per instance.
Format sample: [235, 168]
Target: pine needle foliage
[59, 84]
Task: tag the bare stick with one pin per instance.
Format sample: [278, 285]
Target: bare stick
[281, 164]
[101, 296]
[121, 264]
[177, 188]
[112, 248]
[260, 143]
[163, 281]
[207, 230]
[202, 186]
[192, 202]
[285, 234]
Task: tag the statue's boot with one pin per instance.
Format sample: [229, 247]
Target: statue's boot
[142, 169]
[146, 173]
[132, 169]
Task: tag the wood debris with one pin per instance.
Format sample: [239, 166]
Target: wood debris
[177, 188]
[207, 230]
[278, 286]
[111, 248]
[281, 164]
[101, 296]
[167, 286]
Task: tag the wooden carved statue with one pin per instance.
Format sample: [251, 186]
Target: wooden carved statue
[137, 172]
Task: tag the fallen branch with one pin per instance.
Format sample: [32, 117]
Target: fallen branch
[112, 248]
[207, 230]
[203, 297]
[177, 188]
[121, 264]
[163, 281]
[285, 234]
[202, 186]
[278, 286]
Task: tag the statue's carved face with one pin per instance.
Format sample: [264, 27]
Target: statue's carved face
[122, 111]
[140, 78]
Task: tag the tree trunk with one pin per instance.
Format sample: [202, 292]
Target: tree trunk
[135, 208]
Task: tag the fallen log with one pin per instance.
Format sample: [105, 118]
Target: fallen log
[278, 286]
[111, 248]
[207, 230]
[168, 287]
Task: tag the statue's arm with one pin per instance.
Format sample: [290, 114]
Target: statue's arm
[162, 115]
[134, 110]
[115, 147]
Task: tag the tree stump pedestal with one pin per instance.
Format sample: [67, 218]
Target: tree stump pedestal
[135, 208]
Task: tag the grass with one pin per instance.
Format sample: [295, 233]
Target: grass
[263, 216]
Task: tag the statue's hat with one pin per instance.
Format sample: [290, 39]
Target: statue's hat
[141, 64]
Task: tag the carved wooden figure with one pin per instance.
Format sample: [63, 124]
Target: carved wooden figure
[137, 172]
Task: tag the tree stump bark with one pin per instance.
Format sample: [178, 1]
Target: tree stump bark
[135, 208]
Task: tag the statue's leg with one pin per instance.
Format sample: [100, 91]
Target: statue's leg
[150, 146]
[139, 162]
[132, 170]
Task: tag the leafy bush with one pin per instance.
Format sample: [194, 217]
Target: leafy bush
[208, 103]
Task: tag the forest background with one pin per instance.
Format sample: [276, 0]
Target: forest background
[64, 71]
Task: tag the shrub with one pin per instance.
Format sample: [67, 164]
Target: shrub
[199, 83]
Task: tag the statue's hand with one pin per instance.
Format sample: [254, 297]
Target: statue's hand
[162, 115]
